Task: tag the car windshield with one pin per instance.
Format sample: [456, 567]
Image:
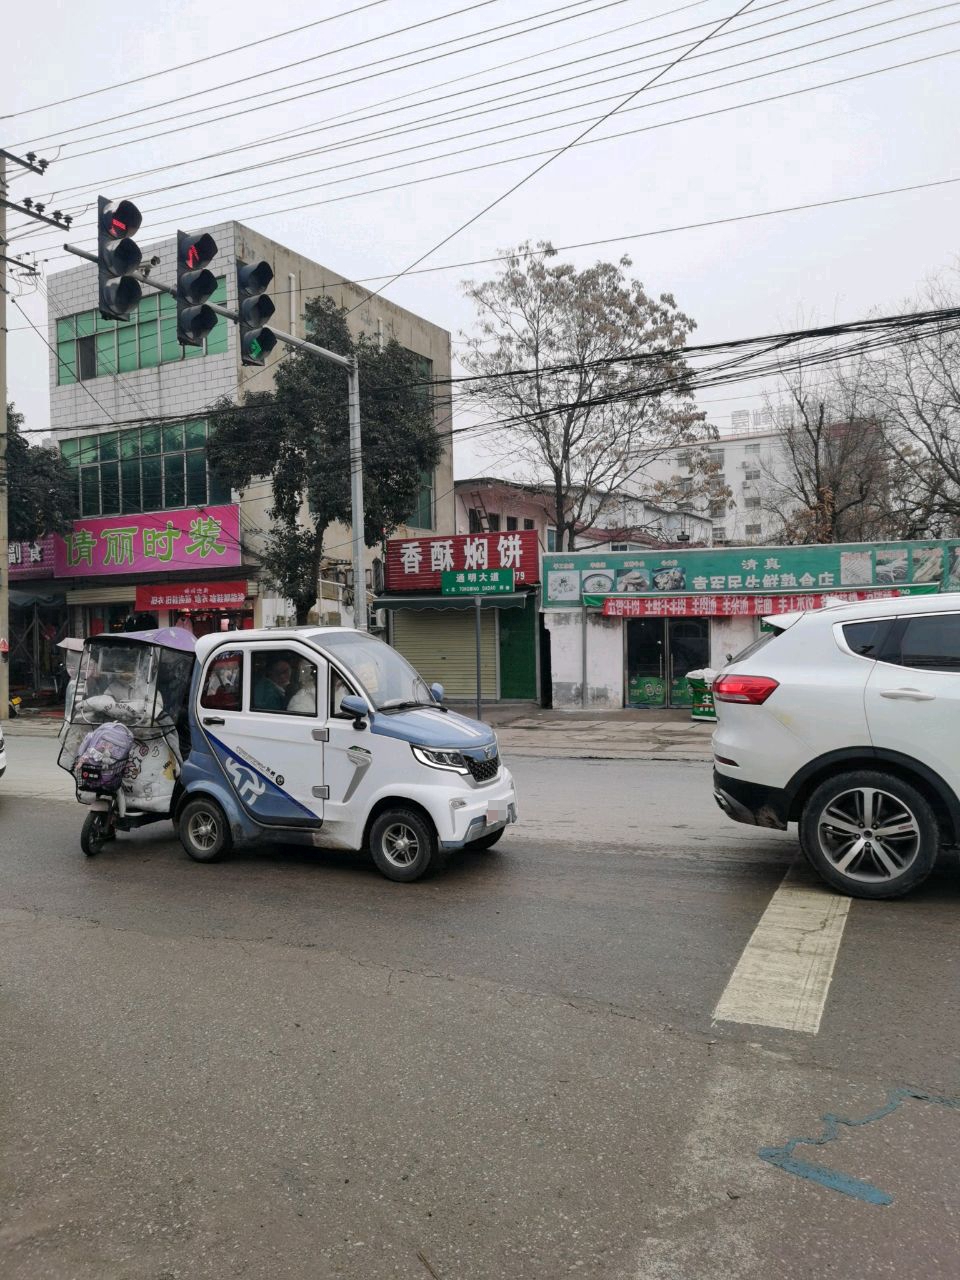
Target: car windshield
[388, 680]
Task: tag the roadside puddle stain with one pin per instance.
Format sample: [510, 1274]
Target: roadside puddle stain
[783, 1158]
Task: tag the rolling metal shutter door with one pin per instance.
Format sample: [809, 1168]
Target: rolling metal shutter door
[442, 646]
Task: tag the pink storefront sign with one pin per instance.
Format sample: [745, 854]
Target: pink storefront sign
[31, 559]
[159, 542]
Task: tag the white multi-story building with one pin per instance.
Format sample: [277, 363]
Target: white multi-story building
[158, 531]
[750, 470]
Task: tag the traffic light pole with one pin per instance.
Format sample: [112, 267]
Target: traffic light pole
[360, 615]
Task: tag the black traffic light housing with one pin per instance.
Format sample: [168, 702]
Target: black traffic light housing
[118, 257]
[195, 284]
[256, 341]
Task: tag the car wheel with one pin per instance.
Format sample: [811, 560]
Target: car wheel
[486, 842]
[94, 832]
[203, 830]
[870, 834]
[403, 844]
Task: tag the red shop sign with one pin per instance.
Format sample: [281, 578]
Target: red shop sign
[415, 564]
[728, 606]
[192, 595]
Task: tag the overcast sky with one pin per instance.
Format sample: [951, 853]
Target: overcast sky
[888, 130]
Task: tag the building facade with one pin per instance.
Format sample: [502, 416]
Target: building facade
[626, 629]
[492, 505]
[158, 532]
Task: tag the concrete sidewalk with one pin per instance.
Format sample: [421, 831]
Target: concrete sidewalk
[526, 731]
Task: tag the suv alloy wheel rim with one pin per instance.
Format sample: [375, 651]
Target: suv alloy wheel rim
[400, 845]
[868, 835]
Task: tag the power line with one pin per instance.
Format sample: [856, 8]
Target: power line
[206, 120]
[609, 137]
[458, 80]
[210, 57]
[503, 141]
[485, 108]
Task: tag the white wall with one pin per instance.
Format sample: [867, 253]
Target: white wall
[604, 659]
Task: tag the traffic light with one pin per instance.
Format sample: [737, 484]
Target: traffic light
[194, 286]
[256, 341]
[118, 257]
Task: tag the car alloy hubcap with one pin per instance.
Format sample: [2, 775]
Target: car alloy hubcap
[203, 831]
[400, 845]
[868, 835]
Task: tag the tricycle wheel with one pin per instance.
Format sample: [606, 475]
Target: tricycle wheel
[203, 830]
[96, 827]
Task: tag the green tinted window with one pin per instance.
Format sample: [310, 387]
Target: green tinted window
[110, 488]
[130, 484]
[149, 347]
[173, 437]
[195, 434]
[196, 478]
[127, 349]
[69, 449]
[152, 484]
[103, 322]
[66, 362]
[89, 450]
[109, 446]
[90, 491]
[217, 338]
[86, 323]
[106, 354]
[168, 305]
[150, 440]
[130, 443]
[174, 493]
[169, 346]
[66, 328]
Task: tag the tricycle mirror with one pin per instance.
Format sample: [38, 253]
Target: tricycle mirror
[437, 691]
[357, 708]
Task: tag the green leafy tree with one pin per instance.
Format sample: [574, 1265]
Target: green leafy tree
[604, 392]
[298, 436]
[41, 488]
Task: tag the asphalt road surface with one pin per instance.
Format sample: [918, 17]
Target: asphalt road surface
[285, 1066]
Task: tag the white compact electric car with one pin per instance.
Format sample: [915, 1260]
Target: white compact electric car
[846, 720]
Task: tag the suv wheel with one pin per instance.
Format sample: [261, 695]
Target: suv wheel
[870, 834]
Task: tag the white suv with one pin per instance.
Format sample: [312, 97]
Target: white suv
[847, 721]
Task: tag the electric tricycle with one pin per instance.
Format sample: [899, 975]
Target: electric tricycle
[125, 734]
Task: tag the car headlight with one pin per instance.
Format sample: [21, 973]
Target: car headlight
[436, 758]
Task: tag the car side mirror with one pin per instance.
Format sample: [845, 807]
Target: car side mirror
[437, 691]
[357, 709]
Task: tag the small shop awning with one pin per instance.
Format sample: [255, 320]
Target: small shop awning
[509, 600]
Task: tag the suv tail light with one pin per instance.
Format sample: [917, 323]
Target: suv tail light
[754, 690]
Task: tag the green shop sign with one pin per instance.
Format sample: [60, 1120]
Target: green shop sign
[480, 582]
[569, 576]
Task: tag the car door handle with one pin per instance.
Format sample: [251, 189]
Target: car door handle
[907, 695]
[214, 720]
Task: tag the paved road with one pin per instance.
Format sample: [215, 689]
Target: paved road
[284, 1066]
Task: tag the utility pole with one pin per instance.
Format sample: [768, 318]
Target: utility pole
[349, 363]
[35, 212]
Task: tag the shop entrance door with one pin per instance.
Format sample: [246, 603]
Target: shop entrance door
[646, 686]
[659, 653]
[688, 649]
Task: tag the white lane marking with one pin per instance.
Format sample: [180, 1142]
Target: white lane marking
[782, 979]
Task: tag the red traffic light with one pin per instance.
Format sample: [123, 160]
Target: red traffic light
[119, 218]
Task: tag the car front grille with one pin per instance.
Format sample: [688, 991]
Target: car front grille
[483, 770]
